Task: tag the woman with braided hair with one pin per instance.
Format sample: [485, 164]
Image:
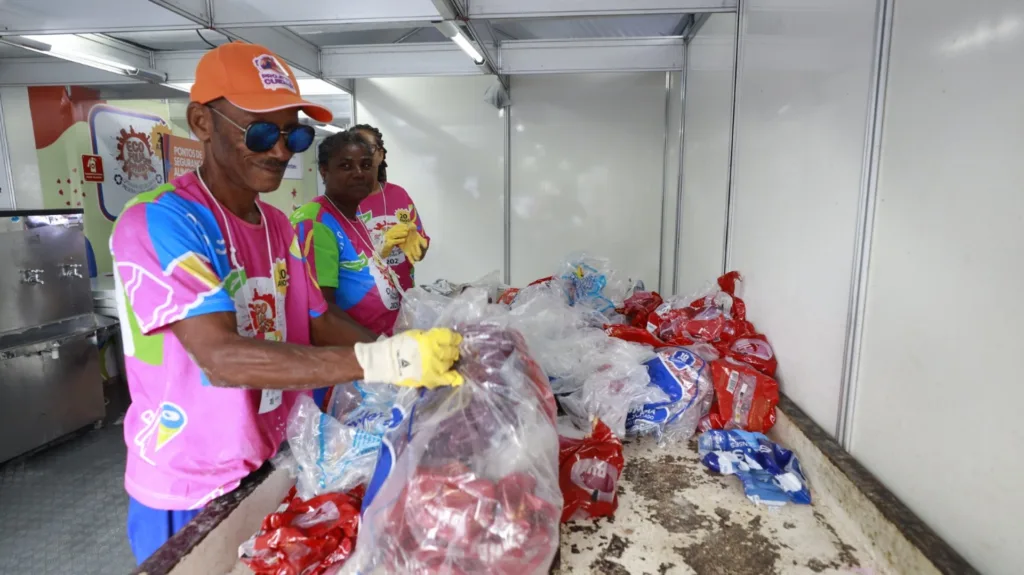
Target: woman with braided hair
[391, 215]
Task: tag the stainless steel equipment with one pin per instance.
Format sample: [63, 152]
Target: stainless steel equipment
[50, 381]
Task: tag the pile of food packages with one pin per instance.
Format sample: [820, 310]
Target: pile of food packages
[477, 478]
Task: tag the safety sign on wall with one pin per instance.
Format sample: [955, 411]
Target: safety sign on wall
[92, 168]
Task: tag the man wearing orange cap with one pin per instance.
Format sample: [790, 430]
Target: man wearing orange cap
[219, 310]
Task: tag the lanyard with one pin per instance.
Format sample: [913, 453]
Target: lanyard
[365, 234]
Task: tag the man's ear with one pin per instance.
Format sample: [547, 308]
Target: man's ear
[323, 172]
[200, 121]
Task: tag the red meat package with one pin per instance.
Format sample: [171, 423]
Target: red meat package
[634, 334]
[639, 306]
[718, 314]
[589, 470]
[744, 397]
[305, 537]
[753, 350]
[468, 482]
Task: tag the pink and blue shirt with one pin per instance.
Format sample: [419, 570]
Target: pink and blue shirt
[341, 251]
[188, 441]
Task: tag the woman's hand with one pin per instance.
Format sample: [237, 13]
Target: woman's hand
[396, 235]
[414, 246]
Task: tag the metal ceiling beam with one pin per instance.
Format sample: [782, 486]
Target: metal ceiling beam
[261, 13]
[607, 55]
[380, 60]
[46, 71]
[698, 23]
[500, 9]
[454, 10]
[198, 11]
[297, 51]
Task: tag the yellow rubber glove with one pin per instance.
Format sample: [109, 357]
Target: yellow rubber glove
[413, 358]
[414, 246]
[396, 235]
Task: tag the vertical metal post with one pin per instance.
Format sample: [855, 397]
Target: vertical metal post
[741, 6]
[679, 184]
[865, 226]
[664, 183]
[507, 204]
[5, 145]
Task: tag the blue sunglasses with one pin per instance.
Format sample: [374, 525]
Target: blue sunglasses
[263, 136]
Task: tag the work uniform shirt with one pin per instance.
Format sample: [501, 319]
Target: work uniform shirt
[341, 253]
[188, 441]
[382, 210]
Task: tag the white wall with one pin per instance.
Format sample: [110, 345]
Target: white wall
[940, 397]
[706, 137]
[587, 169]
[446, 147]
[21, 146]
[802, 109]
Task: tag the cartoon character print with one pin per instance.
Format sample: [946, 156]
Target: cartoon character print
[272, 74]
[259, 305]
[263, 312]
[164, 424]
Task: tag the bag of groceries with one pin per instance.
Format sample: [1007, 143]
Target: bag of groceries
[469, 481]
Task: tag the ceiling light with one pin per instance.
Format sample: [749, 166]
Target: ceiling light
[329, 128]
[69, 47]
[452, 32]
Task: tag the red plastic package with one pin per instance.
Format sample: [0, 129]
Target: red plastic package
[305, 537]
[754, 350]
[634, 334]
[589, 471]
[744, 397]
[639, 306]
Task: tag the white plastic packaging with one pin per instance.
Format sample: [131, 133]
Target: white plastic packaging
[329, 456]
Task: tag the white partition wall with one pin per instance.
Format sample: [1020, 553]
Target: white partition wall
[446, 147]
[706, 136]
[21, 148]
[587, 170]
[805, 79]
[939, 399]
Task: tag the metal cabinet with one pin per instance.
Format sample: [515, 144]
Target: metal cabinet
[50, 382]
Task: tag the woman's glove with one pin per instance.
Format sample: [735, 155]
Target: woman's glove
[413, 358]
[414, 245]
[396, 235]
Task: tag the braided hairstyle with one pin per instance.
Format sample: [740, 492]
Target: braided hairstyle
[382, 173]
[334, 143]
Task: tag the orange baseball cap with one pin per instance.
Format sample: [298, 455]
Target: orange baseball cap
[252, 78]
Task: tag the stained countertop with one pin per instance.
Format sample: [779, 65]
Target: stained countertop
[675, 518]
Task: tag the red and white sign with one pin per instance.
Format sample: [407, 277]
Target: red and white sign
[92, 168]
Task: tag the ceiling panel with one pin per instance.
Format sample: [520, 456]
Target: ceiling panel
[173, 39]
[600, 27]
[347, 35]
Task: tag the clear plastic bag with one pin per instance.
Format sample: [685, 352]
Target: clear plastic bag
[685, 378]
[421, 307]
[591, 282]
[470, 480]
[330, 457]
[614, 381]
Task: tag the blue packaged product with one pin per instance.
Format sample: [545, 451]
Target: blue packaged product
[684, 377]
[770, 474]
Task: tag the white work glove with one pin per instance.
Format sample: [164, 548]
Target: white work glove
[413, 358]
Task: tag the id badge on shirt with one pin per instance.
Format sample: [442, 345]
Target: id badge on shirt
[270, 400]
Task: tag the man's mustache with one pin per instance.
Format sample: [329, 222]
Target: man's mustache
[274, 165]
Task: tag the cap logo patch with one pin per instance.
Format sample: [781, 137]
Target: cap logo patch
[273, 74]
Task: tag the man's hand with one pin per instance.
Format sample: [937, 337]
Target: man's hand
[412, 359]
[395, 236]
